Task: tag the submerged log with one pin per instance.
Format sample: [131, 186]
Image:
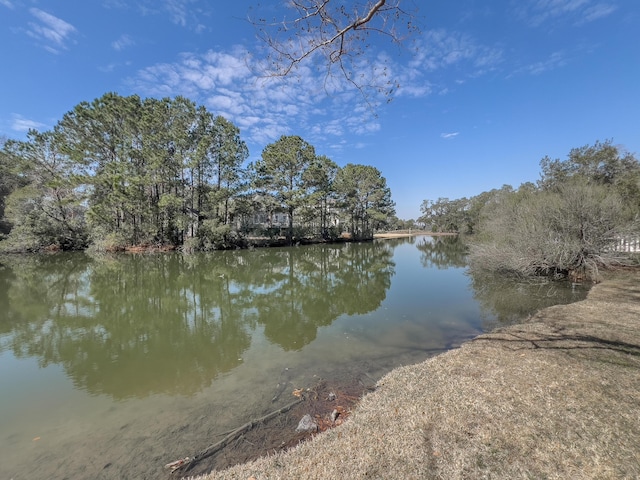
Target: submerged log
[186, 464]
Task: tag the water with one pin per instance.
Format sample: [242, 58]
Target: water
[112, 367]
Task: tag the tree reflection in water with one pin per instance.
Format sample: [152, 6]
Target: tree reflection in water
[442, 252]
[135, 325]
[503, 300]
[507, 300]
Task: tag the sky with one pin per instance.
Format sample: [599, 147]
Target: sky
[485, 89]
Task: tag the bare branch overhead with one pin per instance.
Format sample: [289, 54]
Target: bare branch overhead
[337, 34]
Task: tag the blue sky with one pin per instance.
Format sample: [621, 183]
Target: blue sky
[486, 88]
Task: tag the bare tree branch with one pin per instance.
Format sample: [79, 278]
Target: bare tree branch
[337, 30]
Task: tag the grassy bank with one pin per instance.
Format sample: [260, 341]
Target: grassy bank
[555, 397]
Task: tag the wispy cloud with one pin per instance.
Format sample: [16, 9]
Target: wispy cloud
[21, 124]
[186, 13]
[439, 54]
[554, 61]
[596, 12]
[6, 3]
[178, 10]
[52, 32]
[449, 136]
[123, 42]
[440, 49]
[229, 84]
[115, 4]
[111, 67]
[575, 11]
[232, 83]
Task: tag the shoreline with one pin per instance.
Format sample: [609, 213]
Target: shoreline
[553, 397]
[247, 243]
[415, 233]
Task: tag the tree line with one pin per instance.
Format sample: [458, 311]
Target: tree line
[570, 223]
[125, 171]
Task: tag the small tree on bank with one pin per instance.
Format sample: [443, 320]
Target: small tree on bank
[46, 207]
[281, 174]
[364, 198]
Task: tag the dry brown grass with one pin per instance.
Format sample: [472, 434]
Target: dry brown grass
[557, 397]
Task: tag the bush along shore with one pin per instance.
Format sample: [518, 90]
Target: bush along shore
[554, 397]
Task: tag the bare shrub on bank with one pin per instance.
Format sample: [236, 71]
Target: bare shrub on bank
[571, 230]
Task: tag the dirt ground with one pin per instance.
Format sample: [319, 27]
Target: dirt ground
[555, 397]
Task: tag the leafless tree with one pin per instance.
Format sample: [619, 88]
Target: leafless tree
[570, 231]
[337, 34]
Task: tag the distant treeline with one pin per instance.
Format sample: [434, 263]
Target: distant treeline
[125, 171]
[570, 223]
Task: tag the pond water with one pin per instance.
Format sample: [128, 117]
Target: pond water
[111, 367]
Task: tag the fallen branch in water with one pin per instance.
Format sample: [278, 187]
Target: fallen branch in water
[188, 463]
